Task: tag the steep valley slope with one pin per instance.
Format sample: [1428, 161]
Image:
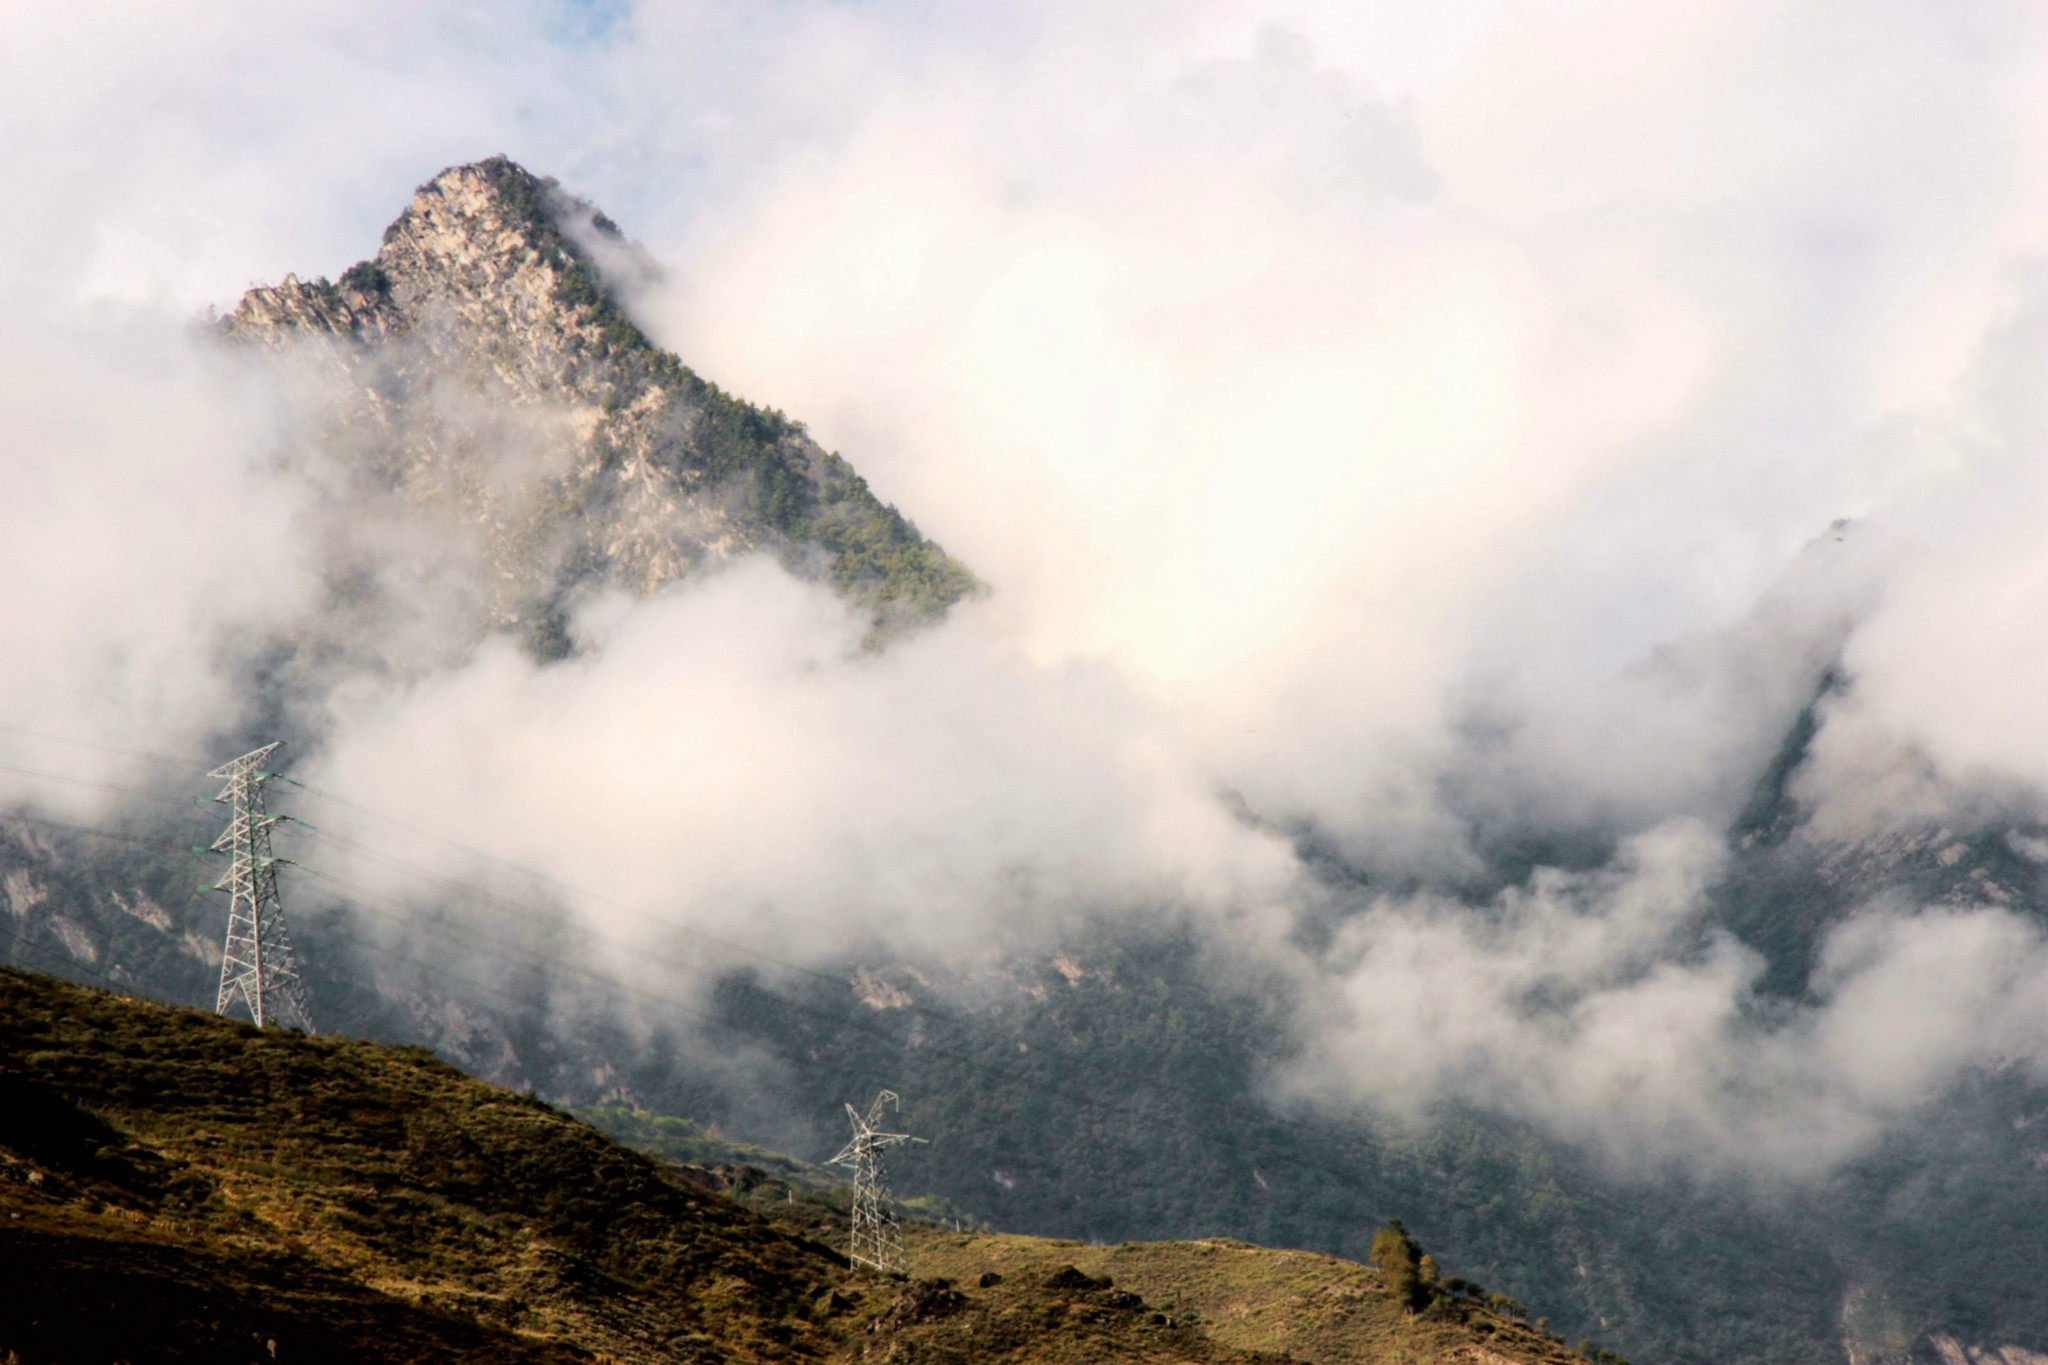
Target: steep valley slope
[178, 1186]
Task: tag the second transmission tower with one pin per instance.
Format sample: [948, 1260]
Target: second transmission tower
[877, 1242]
[257, 968]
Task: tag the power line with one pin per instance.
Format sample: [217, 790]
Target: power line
[544, 879]
[364, 897]
[457, 885]
[832, 1019]
[839, 1022]
[91, 782]
[335, 798]
[190, 764]
[1082, 1099]
[22, 943]
[1590, 1194]
[469, 937]
[91, 831]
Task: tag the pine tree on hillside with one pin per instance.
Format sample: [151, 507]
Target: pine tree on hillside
[1401, 1260]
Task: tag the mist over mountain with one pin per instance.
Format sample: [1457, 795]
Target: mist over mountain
[529, 532]
[490, 379]
[1510, 702]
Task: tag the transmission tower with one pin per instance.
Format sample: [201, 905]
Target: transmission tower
[877, 1243]
[256, 967]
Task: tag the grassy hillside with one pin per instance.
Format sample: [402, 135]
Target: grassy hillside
[163, 1165]
[176, 1186]
[1295, 1304]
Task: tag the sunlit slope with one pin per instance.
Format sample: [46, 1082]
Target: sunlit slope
[1298, 1304]
[179, 1184]
[637, 471]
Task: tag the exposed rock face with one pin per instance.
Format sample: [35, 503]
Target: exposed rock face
[1953, 1352]
[492, 380]
[1792, 878]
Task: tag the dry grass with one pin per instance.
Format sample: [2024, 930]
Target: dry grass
[179, 1187]
[1298, 1304]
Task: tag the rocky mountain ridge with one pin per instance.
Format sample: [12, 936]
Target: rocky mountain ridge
[488, 373]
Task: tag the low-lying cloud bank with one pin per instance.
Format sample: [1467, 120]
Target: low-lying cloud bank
[1606, 1006]
[1426, 434]
[726, 749]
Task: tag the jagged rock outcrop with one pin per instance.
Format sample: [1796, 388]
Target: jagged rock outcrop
[491, 378]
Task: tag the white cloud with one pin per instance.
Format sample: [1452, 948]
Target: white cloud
[1604, 1006]
[1947, 669]
[144, 551]
[1418, 421]
[726, 757]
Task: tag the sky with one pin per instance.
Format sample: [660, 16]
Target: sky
[1417, 425]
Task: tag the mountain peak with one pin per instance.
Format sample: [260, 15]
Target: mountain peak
[481, 249]
[489, 285]
[492, 225]
[494, 182]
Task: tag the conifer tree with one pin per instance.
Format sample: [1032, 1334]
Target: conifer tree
[1402, 1261]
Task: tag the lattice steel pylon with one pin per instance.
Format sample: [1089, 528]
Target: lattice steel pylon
[877, 1243]
[257, 967]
